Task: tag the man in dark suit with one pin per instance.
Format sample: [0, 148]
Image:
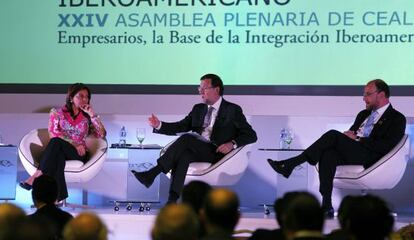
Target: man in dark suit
[376, 130]
[220, 127]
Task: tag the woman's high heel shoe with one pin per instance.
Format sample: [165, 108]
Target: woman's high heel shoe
[60, 203]
[25, 185]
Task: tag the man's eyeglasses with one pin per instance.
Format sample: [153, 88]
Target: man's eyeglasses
[367, 94]
[200, 89]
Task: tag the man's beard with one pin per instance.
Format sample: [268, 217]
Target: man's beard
[369, 107]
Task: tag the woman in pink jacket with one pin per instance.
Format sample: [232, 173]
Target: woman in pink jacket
[68, 128]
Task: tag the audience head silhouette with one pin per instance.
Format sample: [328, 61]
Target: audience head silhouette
[49, 218]
[194, 194]
[406, 232]
[85, 226]
[45, 190]
[303, 213]
[345, 209]
[221, 211]
[280, 206]
[370, 218]
[11, 217]
[175, 222]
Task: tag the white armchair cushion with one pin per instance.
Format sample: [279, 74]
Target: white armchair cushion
[349, 171]
[198, 167]
[384, 174]
[227, 171]
[73, 165]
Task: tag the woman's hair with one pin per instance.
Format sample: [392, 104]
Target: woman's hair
[72, 91]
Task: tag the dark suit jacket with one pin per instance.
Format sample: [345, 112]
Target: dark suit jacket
[230, 124]
[309, 238]
[218, 236]
[338, 234]
[265, 234]
[50, 214]
[387, 132]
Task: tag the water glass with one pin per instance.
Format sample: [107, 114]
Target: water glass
[140, 136]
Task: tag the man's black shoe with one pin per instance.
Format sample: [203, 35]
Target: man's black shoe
[329, 213]
[143, 178]
[25, 185]
[280, 167]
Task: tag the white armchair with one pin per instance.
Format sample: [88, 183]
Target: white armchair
[384, 174]
[33, 143]
[227, 171]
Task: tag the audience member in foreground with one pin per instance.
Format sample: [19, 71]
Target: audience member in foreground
[369, 218]
[303, 218]
[11, 217]
[175, 222]
[44, 195]
[85, 226]
[405, 233]
[280, 206]
[344, 210]
[220, 214]
[194, 194]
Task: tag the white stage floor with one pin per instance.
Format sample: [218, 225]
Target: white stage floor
[132, 225]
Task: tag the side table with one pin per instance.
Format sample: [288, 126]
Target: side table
[298, 180]
[8, 172]
[140, 158]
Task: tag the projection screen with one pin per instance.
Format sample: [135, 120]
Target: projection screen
[169, 44]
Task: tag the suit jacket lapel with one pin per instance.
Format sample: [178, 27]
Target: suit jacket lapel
[383, 119]
[219, 117]
[198, 118]
[203, 114]
[362, 118]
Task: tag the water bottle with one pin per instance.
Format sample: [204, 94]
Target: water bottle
[282, 140]
[122, 137]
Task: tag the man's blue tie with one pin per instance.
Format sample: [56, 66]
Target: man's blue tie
[370, 123]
